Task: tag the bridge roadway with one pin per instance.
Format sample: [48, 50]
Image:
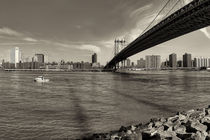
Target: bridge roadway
[194, 16]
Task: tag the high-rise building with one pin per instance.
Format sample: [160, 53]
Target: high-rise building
[187, 60]
[173, 60]
[94, 58]
[15, 56]
[153, 62]
[34, 63]
[165, 64]
[128, 64]
[201, 62]
[40, 58]
[141, 63]
[180, 63]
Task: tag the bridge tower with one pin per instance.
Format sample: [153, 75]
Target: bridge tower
[119, 45]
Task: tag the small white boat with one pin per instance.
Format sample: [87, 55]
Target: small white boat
[41, 79]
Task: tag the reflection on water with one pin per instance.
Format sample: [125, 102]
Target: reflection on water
[75, 104]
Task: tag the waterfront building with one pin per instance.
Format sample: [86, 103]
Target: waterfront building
[35, 64]
[87, 65]
[40, 58]
[128, 64]
[77, 65]
[187, 60]
[153, 62]
[96, 65]
[2, 63]
[94, 58]
[173, 60]
[27, 65]
[8, 65]
[165, 64]
[132, 64]
[15, 56]
[141, 63]
[208, 62]
[70, 67]
[19, 65]
[201, 62]
[180, 63]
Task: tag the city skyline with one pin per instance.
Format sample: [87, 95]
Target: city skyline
[52, 28]
[171, 60]
[38, 62]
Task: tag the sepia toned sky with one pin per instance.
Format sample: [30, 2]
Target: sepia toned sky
[74, 29]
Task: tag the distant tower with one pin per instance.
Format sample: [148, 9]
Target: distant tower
[94, 58]
[40, 58]
[153, 62]
[15, 56]
[173, 60]
[187, 62]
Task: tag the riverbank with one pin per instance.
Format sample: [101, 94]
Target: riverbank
[188, 125]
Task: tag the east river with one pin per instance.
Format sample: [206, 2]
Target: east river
[74, 104]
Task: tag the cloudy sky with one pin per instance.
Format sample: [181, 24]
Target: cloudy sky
[73, 29]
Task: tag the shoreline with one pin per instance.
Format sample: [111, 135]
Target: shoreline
[186, 125]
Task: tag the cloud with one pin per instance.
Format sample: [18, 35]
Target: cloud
[107, 44]
[8, 31]
[92, 48]
[30, 39]
[187, 1]
[62, 44]
[78, 26]
[140, 10]
[15, 43]
[206, 33]
[135, 32]
[74, 45]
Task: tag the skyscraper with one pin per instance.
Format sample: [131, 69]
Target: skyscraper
[15, 56]
[173, 60]
[187, 61]
[40, 58]
[94, 58]
[141, 63]
[153, 62]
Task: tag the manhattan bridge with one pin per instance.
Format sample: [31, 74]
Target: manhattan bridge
[174, 19]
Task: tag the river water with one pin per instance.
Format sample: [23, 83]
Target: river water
[74, 104]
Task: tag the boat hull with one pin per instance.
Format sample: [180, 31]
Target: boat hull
[39, 80]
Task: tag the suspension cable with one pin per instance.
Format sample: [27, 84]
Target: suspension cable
[172, 8]
[156, 16]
